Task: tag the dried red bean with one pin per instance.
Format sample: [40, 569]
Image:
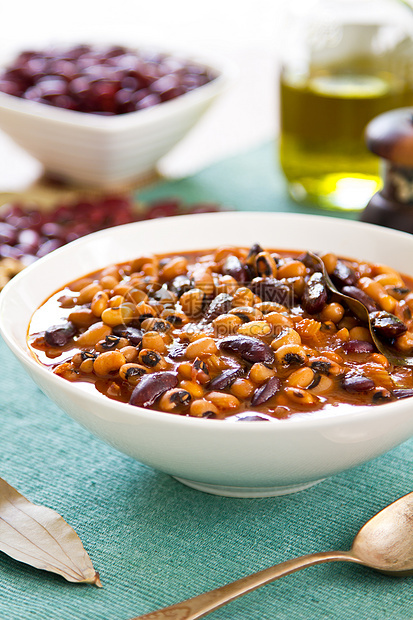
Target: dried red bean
[221, 304]
[356, 293]
[250, 349]
[315, 294]
[387, 325]
[225, 378]
[343, 275]
[358, 346]
[402, 393]
[151, 386]
[266, 391]
[271, 289]
[59, 335]
[133, 334]
[234, 268]
[357, 383]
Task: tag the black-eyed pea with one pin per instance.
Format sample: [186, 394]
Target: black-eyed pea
[154, 341]
[226, 324]
[157, 325]
[176, 266]
[175, 400]
[343, 334]
[99, 303]
[292, 269]
[83, 317]
[79, 284]
[107, 362]
[77, 359]
[118, 316]
[216, 363]
[224, 251]
[286, 336]
[330, 261]
[332, 312]
[66, 371]
[108, 282]
[242, 388]
[110, 343]
[192, 302]
[301, 378]
[149, 269]
[204, 280]
[389, 279]
[360, 333]
[266, 307]
[122, 288]
[129, 352]
[377, 292]
[136, 295]
[116, 301]
[265, 265]
[96, 332]
[138, 262]
[196, 390]
[87, 366]
[145, 309]
[185, 370]
[223, 401]
[243, 296]
[260, 373]
[301, 397]
[132, 373]
[200, 371]
[298, 285]
[88, 292]
[278, 319]
[290, 355]
[202, 408]
[152, 359]
[226, 284]
[255, 329]
[404, 342]
[247, 313]
[379, 358]
[324, 385]
[202, 347]
[113, 271]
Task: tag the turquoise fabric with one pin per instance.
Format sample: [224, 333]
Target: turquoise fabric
[155, 541]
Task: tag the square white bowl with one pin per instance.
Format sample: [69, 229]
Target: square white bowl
[107, 151]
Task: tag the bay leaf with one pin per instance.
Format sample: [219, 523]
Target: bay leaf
[39, 536]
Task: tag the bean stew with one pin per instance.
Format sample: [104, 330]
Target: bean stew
[250, 334]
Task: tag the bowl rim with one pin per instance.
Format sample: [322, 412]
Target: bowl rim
[227, 72]
[360, 414]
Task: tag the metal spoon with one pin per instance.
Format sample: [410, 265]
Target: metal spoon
[395, 357]
[385, 543]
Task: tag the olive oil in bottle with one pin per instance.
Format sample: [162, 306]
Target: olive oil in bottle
[323, 117]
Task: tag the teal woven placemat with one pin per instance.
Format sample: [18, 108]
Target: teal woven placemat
[156, 541]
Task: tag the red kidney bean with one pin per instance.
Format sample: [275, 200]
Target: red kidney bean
[133, 334]
[89, 78]
[357, 383]
[151, 386]
[249, 417]
[387, 325]
[234, 268]
[248, 348]
[402, 393]
[225, 378]
[343, 275]
[266, 391]
[358, 346]
[270, 289]
[314, 296]
[59, 335]
[356, 293]
[221, 304]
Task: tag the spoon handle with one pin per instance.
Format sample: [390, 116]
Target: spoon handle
[201, 605]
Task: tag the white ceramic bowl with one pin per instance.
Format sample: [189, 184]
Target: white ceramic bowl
[248, 459]
[107, 151]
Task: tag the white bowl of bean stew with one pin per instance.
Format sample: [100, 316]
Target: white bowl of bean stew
[206, 347]
[105, 116]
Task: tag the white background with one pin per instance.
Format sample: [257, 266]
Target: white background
[244, 31]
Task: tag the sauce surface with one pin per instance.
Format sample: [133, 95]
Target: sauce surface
[233, 332]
